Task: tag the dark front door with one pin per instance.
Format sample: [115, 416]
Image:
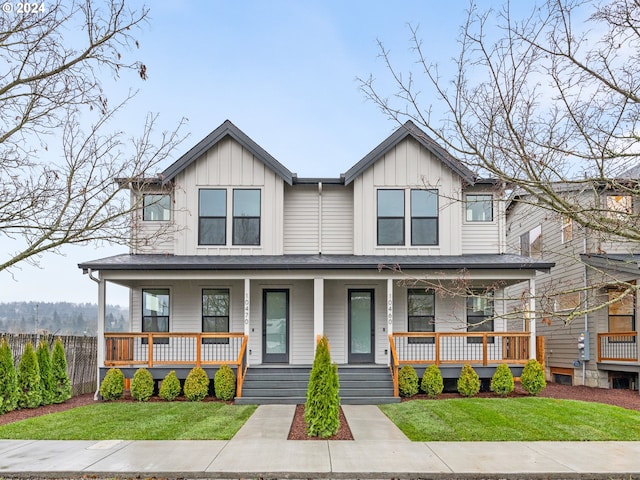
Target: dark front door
[275, 326]
[361, 326]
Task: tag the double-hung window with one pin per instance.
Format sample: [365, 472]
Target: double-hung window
[156, 208]
[390, 217]
[246, 217]
[212, 220]
[424, 217]
[531, 243]
[215, 313]
[566, 229]
[479, 208]
[622, 313]
[480, 313]
[421, 313]
[155, 313]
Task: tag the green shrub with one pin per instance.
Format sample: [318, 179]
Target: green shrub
[8, 379]
[322, 408]
[224, 383]
[60, 377]
[170, 387]
[46, 375]
[432, 383]
[408, 381]
[532, 377]
[196, 386]
[142, 385]
[112, 386]
[469, 382]
[502, 381]
[30, 391]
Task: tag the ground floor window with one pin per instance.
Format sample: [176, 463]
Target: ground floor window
[622, 313]
[215, 313]
[421, 311]
[480, 313]
[155, 312]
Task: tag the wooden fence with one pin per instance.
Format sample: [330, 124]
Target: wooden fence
[81, 353]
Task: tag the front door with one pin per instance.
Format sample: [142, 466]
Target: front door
[275, 326]
[361, 326]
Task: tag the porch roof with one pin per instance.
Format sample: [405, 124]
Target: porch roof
[318, 261]
[622, 262]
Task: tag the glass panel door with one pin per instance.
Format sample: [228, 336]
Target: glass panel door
[275, 326]
[361, 326]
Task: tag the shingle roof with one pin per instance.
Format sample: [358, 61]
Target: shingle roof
[305, 262]
[624, 262]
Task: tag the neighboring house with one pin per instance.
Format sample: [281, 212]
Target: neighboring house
[238, 260]
[590, 292]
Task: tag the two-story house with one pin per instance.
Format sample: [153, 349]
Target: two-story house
[400, 260]
[589, 297]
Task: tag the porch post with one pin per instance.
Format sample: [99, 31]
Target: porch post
[532, 318]
[389, 314]
[102, 293]
[247, 311]
[318, 309]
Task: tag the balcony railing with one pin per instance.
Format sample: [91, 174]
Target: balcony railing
[190, 349]
[618, 346]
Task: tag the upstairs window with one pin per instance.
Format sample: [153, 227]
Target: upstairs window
[479, 208]
[215, 313]
[424, 217]
[155, 313]
[567, 229]
[480, 313]
[421, 313]
[531, 243]
[156, 208]
[212, 220]
[619, 207]
[390, 217]
[246, 217]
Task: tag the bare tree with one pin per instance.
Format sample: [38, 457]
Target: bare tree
[59, 157]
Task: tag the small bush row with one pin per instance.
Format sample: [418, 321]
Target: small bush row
[196, 385]
[468, 385]
[40, 379]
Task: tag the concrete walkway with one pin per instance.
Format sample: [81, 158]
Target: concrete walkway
[261, 449]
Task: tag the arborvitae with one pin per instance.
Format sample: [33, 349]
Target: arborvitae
[8, 379]
[322, 410]
[170, 387]
[432, 382]
[61, 382]
[502, 381]
[47, 386]
[408, 382]
[532, 378]
[469, 382]
[30, 391]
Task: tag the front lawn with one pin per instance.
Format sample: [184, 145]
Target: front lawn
[135, 421]
[512, 419]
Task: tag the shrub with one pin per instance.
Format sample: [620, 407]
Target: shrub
[29, 390]
[469, 382]
[322, 409]
[432, 383]
[502, 381]
[408, 381]
[46, 375]
[170, 387]
[60, 378]
[196, 386]
[224, 383]
[112, 386]
[142, 385]
[532, 377]
[8, 379]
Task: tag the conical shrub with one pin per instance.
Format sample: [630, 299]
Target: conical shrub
[469, 382]
[46, 374]
[502, 381]
[30, 391]
[322, 409]
[170, 387]
[60, 377]
[8, 379]
[532, 378]
[432, 382]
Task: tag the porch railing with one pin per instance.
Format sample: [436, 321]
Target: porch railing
[190, 349]
[618, 346]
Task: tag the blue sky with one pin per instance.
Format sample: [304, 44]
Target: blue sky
[284, 72]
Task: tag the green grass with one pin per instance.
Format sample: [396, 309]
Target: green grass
[135, 421]
[513, 419]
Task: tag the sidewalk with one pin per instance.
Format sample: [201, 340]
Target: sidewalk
[260, 449]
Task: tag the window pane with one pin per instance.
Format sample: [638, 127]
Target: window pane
[421, 303]
[213, 203]
[155, 324]
[246, 203]
[424, 231]
[621, 324]
[624, 306]
[156, 207]
[391, 231]
[215, 302]
[424, 203]
[479, 208]
[390, 203]
[246, 231]
[215, 324]
[212, 231]
[155, 302]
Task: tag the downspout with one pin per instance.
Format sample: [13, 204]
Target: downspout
[100, 333]
[586, 315]
[320, 218]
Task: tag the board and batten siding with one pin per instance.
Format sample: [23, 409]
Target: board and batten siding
[228, 165]
[407, 166]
